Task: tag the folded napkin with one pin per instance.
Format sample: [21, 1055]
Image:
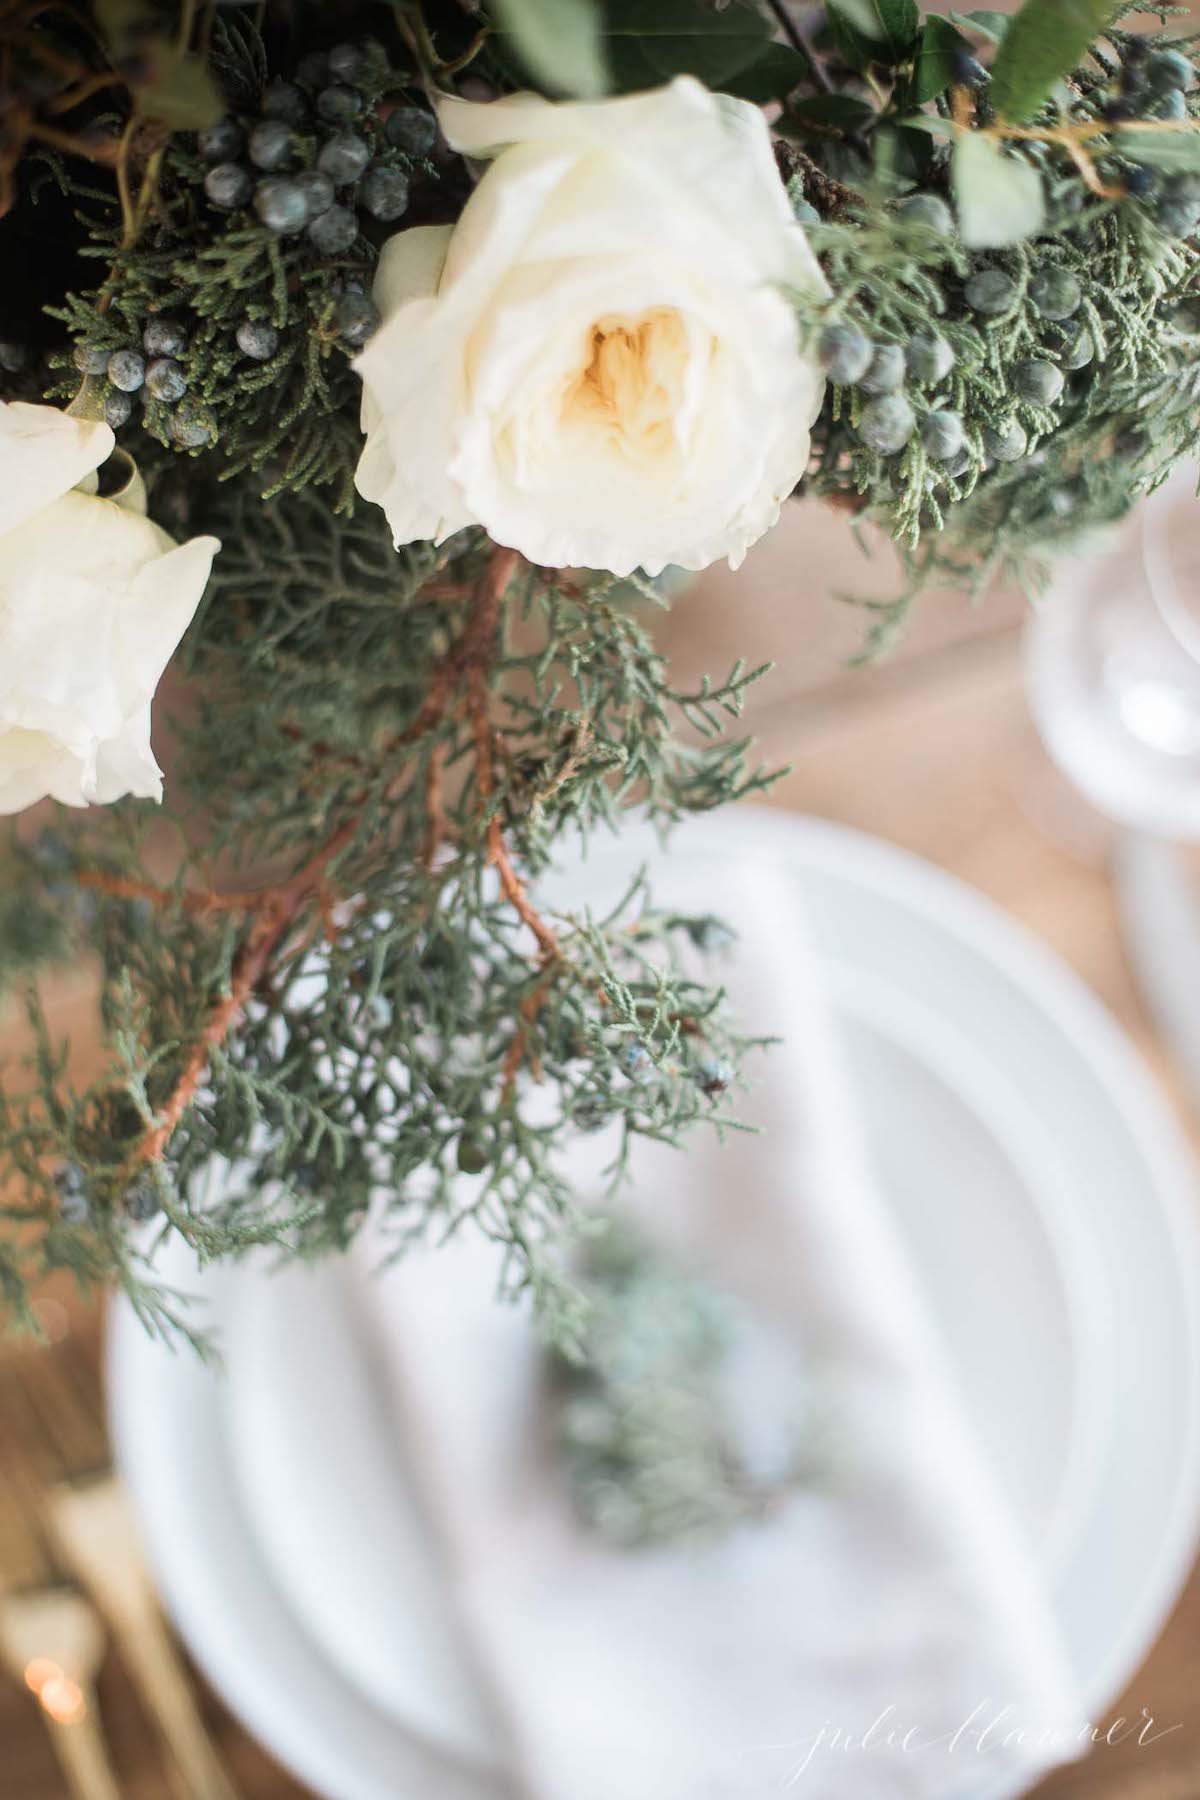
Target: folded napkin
[883, 1631]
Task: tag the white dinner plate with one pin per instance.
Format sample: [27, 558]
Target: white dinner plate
[312, 1443]
[1097, 1204]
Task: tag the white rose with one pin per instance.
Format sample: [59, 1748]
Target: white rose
[93, 600]
[599, 363]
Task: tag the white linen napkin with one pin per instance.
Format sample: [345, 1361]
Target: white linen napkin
[856, 1643]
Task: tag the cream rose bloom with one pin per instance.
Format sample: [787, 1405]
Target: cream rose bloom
[599, 363]
[93, 600]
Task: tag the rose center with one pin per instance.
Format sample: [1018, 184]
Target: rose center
[632, 384]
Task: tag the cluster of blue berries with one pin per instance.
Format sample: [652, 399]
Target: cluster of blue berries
[151, 371]
[320, 160]
[1055, 296]
[320, 156]
[75, 1203]
[1154, 84]
[888, 420]
[712, 1075]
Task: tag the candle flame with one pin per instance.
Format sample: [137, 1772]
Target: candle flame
[39, 1672]
[63, 1700]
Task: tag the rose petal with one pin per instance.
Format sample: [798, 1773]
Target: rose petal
[44, 453]
[702, 156]
[93, 601]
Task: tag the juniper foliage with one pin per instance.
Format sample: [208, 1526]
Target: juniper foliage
[1127, 405]
[327, 977]
[399, 718]
[647, 1423]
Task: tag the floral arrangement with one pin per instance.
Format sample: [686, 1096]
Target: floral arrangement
[377, 372]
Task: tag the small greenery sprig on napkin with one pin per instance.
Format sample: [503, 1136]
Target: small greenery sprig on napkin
[647, 1410]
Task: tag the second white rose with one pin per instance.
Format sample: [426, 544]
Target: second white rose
[94, 598]
[600, 362]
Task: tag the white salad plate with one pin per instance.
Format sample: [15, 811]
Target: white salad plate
[1047, 1199]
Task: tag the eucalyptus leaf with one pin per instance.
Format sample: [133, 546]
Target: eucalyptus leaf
[933, 123]
[559, 43]
[769, 76]
[825, 112]
[889, 26]
[1043, 42]
[999, 199]
[647, 45]
[1172, 150]
[855, 50]
[937, 58]
[985, 22]
[912, 156]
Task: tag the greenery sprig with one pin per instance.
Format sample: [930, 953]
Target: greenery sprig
[363, 1023]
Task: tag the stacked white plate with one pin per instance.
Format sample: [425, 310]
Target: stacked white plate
[1048, 1200]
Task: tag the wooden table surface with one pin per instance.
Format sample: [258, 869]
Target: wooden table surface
[933, 752]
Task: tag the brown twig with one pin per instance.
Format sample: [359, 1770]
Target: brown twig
[1073, 139]
[124, 887]
[85, 87]
[275, 917]
[482, 648]
[528, 1011]
[463, 671]
[435, 807]
[832, 199]
[514, 891]
[482, 632]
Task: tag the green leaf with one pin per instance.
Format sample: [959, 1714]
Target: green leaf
[770, 76]
[1172, 150]
[175, 87]
[999, 199]
[933, 123]
[119, 20]
[937, 57]
[1044, 42]
[182, 93]
[856, 51]
[889, 26]
[559, 43]
[912, 152]
[641, 47]
[985, 22]
[825, 112]
[649, 44]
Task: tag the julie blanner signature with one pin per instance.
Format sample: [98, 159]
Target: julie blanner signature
[987, 1730]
